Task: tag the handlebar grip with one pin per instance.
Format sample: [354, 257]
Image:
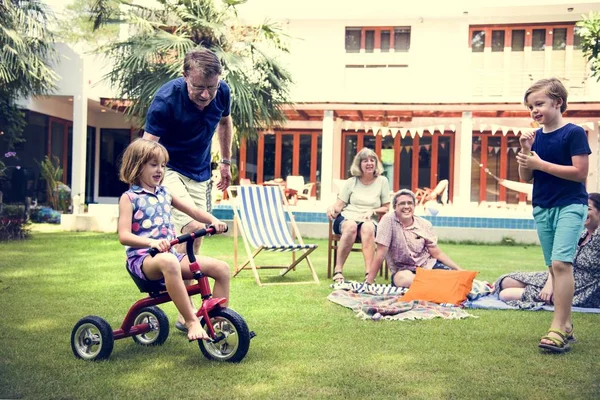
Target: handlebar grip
[183, 238]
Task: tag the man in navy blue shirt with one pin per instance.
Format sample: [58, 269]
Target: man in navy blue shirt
[183, 117]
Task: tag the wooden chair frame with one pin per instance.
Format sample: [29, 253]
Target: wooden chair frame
[332, 247]
[291, 242]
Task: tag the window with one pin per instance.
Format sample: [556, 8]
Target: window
[559, 38]
[406, 155]
[518, 40]
[538, 40]
[497, 40]
[353, 40]
[478, 41]
[269, 158]
[112, 145]
[424, 156]
[576, 38]
[90, 164]
[287, 155]
[350, 146]
[402, 39]
[369, 41]
[281, 154]
[385, 41]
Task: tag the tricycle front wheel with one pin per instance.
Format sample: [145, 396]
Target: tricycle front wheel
[232, 336]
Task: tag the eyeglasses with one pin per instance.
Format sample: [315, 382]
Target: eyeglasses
[210, 89]
[405, 203]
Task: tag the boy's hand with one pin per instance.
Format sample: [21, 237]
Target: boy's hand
[219, 225]
[529, 160]
[162, 245]
[526, 141]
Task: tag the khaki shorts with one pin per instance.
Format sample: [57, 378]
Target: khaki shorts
[185, 188]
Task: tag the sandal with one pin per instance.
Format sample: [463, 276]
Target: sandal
[559, 344]
[570, 336]
[339, 279]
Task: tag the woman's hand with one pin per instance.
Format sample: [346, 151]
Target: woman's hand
[547, 294]
[367, 215]
[331, 213]
[219, 225]
[161, 244]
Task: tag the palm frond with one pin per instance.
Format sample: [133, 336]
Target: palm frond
[161, 36]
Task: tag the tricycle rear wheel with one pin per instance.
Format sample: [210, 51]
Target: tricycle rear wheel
[159, 326]
[92, 339]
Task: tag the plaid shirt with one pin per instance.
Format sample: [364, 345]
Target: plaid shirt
[408, 247]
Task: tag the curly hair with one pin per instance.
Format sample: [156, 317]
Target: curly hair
[363, 155]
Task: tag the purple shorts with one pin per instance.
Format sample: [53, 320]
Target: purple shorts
[135, 264]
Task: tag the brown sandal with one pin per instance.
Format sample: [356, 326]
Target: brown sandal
[339, 279]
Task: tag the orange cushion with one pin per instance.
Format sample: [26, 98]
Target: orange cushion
[440, 286]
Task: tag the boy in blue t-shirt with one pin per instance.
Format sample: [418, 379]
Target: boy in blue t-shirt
[556, 158]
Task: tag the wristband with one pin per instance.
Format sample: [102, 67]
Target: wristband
[225, 161]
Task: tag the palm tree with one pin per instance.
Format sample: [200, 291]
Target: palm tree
[158, 39]
[26, 52]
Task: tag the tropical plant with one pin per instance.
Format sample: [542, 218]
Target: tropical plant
[160, 36]
[51, 172]
[26, 52]
[589, 31]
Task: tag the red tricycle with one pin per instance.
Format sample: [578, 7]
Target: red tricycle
[92, 337]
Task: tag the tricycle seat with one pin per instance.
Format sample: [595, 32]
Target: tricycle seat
[154, 288]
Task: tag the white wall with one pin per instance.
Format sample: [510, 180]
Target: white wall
[439, 61]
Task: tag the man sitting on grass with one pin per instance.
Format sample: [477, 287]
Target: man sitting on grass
[406, 242]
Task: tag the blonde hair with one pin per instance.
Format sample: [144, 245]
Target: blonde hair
[136, 155]
[363, 155]
[553, 88]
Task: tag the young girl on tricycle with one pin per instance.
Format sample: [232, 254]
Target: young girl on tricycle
[145, 222]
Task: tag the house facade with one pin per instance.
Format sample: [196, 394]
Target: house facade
[435, 91]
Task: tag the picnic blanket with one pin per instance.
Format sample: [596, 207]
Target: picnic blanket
[479, 288]
[375, 302]
[493, 302]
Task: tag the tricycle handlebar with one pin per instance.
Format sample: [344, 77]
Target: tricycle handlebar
[209, 230]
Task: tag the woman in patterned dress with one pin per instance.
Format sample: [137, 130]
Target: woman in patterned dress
[519, 288]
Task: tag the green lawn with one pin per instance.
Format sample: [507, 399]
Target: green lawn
[306, 346]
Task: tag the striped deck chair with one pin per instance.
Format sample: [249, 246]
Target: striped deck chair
[260, 216]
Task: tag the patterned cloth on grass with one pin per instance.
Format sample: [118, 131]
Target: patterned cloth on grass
[479, 289]
[390, 307]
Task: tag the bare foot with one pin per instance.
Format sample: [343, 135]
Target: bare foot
[195, 331]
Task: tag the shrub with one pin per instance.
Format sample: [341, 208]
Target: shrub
[13, 222]
[45, 215]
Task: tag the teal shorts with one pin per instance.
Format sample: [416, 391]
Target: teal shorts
[558, 229]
